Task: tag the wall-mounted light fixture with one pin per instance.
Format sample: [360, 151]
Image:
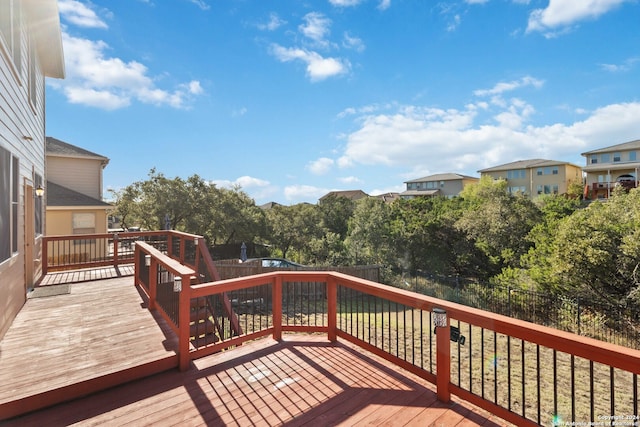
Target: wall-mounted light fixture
[147, 260]
[39, 191]
[439, 317]
[177, 284]
[27, 138]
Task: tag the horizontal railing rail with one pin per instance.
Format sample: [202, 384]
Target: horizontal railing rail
[525, 373]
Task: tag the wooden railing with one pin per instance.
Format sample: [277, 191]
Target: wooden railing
[524, 373]
[97, 250]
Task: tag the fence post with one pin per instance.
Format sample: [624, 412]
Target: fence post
[332, 308]
[277, 308]
[443, 355]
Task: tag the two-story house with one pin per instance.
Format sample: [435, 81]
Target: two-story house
[74, 190]
[30, 50]
[536, 177]
[444, 184]
[611, 166]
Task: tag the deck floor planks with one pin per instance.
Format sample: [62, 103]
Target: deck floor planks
[304, 380]
[99, 328]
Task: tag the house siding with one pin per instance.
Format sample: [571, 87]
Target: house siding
[22, 134]
[81, 175]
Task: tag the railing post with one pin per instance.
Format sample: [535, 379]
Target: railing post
[277, 308]
[332, 308]
[153, 283]
[115, 249]
[169, 244]
[443, 355]
[184, 327]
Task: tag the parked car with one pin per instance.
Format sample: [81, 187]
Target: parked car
[273, 262]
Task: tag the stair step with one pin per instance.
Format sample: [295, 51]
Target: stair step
[199, 314]
[202, 328]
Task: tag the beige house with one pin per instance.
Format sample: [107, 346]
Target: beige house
[611, 166]
[74, 190]
[444, 184]
[536, 177]
[30, 50]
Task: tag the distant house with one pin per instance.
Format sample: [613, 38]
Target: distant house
[611, 166]
[30, 50]
[444, 184]
[269, 205]
[349, 194]
[74, 190]
[388, 197]
[536, 176]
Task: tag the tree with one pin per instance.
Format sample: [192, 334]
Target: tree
[368, 239]
[498, 223]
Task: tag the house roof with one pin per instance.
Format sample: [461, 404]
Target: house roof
[442, 177]
[526, 164]
[270, 205]
[631, 145]
[44, 27]
[57, 195]
[388, 197]
[55, 147]
[349, 194]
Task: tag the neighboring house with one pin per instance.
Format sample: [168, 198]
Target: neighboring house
[443, 184]
[536, 176]
[74, 190]
[611, 166]
[30, 50]
[388, 197]
[349, 194]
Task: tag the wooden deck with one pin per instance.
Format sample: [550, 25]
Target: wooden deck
[97, 335]
[87, 275]
[304, 380]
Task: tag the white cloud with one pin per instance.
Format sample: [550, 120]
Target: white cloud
[510, 86]
[421, 138]
[345, 3]
[316, 26]
[273, 24]
[350, 180]
[384, 4]
[239, 112]
[96, 80]
[79, 14]
[617, 68]
[354, 43]
[562, 13]
[318, 67]
[320, 166]
[303, 192]
[201, 4]
[454, 23]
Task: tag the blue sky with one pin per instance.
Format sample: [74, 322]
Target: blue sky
[292, 99]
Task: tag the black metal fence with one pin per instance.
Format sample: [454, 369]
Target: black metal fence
[611, 323]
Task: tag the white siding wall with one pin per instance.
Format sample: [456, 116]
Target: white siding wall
[81, 175]
[22, 133]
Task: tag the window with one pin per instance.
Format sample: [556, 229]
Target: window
[632, 156]
[547, 189]
[555, 189]
[516, 174]
[547, 170]
[594, 159]
[84, 223]
[554, 171]
[441, 184]
[606, 158]
[10, 31]
[616, 157]
[539, 172]
[9, 203]
[539, 189]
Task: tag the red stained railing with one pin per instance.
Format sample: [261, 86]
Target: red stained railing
[525, 373]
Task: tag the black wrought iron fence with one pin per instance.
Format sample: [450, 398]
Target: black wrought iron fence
[607, 322]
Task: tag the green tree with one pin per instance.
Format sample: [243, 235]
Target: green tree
[368, 239]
